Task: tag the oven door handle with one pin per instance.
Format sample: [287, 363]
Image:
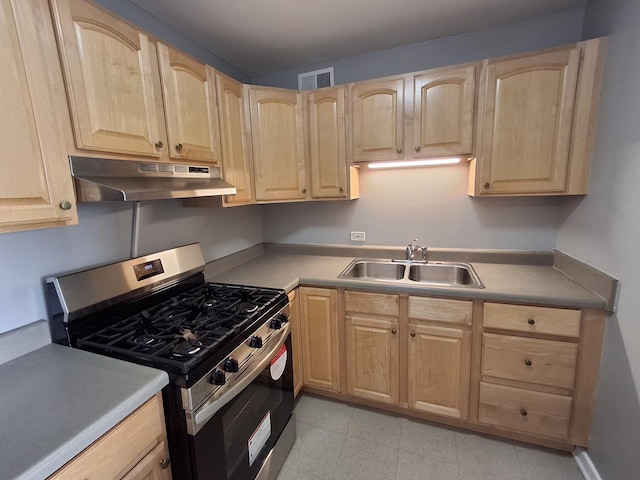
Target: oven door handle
[210, 408]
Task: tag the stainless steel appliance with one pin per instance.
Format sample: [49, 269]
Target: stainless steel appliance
[227, 350]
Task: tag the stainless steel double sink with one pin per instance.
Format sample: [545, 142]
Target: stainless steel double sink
[445, 274]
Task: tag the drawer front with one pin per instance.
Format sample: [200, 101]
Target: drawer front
[119, 450]
[527, 411]
[440, 310]
[522, 318]
[543, 362]
[374, 303]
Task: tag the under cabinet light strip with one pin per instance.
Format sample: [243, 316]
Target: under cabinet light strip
[415, 163]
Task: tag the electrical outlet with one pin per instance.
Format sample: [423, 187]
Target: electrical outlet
[357, 236]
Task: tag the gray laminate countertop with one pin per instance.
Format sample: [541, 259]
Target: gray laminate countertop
[535, 284]
[55, 401]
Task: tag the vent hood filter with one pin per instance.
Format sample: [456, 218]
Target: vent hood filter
[103, 180]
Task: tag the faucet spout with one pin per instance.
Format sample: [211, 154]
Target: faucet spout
[412, 250]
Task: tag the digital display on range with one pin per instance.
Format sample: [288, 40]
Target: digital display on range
[148, 269]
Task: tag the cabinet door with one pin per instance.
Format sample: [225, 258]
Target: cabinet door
[439, 368]
[108, 71]
[277, 135]
[372, 359]
[154, 466]
[319, 314]
[35, 186]
[327, 143]
[121, 449]
[525, 119]
[296, 341]
[236, 146]
[190, 106]
[377, 126]
[443, 103]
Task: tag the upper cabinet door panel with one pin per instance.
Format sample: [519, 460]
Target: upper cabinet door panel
[236, 146]
[527, 118]
[278, 144]
[327, 143]
[35, 186]
[443, 112]
[108, 71]
[378, 120]
[190, 107]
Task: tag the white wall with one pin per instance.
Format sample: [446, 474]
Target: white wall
[430, 204]
[603, 229]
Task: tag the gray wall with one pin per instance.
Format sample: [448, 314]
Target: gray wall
[104, 235]
[541, 32]
[151, 24]
[603, 229]
[430, 204]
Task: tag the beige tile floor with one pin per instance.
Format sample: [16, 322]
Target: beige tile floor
[339, 441]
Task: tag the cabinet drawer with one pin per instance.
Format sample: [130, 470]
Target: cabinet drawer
[375, 303]
[544, 362]
[120, 449]
[522, 318]
[440, 310]
[538, 413]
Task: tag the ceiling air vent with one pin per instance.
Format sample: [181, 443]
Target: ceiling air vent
[316, 79]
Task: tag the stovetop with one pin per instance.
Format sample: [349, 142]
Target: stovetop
[184, 330]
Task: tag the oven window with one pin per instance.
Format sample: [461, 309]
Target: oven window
[244, 416]
[231, 429]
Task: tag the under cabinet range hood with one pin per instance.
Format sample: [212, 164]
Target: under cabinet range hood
[104, 180]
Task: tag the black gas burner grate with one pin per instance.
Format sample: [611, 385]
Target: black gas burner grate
[178, 333]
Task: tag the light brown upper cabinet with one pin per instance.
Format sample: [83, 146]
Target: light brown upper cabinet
[443, 112]
[377, 120]
[35, 185]
[278, 140]
[189, 92]
[536, 116]
[236, 142]
[439, 106]
[331, 177]
[108, 67]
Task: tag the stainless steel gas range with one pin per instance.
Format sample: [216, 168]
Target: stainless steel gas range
[227, 349]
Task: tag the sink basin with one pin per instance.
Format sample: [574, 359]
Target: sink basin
[443, 274]
[457, 274]
[374, 270]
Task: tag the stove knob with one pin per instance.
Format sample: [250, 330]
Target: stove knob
[218, 377]
[275, 323]
[255, 342]
[282, 317]
[230, 365]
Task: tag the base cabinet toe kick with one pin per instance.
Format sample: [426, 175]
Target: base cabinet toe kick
[524, 372]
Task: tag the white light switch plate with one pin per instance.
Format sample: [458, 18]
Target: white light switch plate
[358, 236]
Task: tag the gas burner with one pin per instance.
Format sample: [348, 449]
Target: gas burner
[210, 303]
[186, 349]
[246, 307]
[147, 340]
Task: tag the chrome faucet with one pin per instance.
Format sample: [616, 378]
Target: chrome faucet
[412, 250]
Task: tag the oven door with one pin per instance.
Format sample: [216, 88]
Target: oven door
[235, 442]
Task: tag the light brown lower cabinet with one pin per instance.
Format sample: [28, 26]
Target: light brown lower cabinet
[135, 449]
[525, 372]
[320, 349]
[296, 341]
[438, 367]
